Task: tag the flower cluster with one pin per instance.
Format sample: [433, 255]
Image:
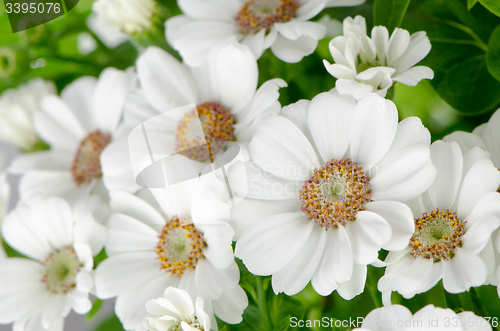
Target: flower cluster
[176, 185]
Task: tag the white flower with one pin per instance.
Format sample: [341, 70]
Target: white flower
[37, 293]
[176, 312]
[397, 317]
[173, 240]
[487, 137]
[17, 108]
[132, 16]
[4, 196]
[363, 65]
[326, 187]
[77, 126]
[224, 91]
[454, 220]
[282, 25]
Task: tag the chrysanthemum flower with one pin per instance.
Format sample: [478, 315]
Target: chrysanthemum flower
[77, 126]
[60, 241]
[176, 312]
[328, 178]
[454, 220]
[4, 195]
[132, 16]
[364, 65]
[397, 317]
[17, 108]
[282, 25]
[173, 241]
[224, 91]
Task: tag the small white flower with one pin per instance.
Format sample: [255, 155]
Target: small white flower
[37, 293]
[224, 90]
[454, 220]
[363, 65]
[282, 25]
[397, 317]
[132, 16]
[176, 312]
[77, 126]
[178, 238]
[325, 189]
[4, 196]
[17, 108]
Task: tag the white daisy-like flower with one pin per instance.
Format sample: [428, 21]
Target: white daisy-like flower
[397, 317]
[224, 91]
[132, 16]
[454, 220]
[176, 312]
[487, 137]
[77, 126]
[364, 65]
[17, 108]
[282, 25]
[325, 191]
[178, 239]
[60, 241]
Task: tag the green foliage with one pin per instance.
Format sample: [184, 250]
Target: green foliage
[492, 5]
[389, 13]
[112, 323]
[95, 309]
[493, 54]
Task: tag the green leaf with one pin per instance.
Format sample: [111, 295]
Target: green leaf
[471, 3]
[389, 13]
[493, 54]
[110, 324]
[95, 309]
[492, 5]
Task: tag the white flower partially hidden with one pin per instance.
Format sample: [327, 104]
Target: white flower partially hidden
[363, 65]
[180, 239]
[224, 90]
[17, 108]
[282, 25]
[132, 16]
[77, 126]
[487, 137]
[4, 196]
[176, 312]
[397, 317]
[325, 192]
[37, 293]
[454, 220]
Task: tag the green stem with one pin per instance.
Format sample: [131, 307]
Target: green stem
[461, 12]
[262, 303]
[466, 301]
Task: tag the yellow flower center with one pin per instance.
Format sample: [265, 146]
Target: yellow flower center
[87, 162]
[61, 268]
[262, 14]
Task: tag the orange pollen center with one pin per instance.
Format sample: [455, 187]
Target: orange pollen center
[87, 163]
[335, 193]
[180, 246]
[217, 122]
[437, 236]
[256, 15]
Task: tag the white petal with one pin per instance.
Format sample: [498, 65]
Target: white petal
[440, 318]
[272, 242]
[400, 39]
[294, 277]
[399, 217]
[212, 282]
[43, 160]
[380, 37]
[329, 119]
[489, 204]
[405, 176]
[79, 96]
[292, 51]
[336, 263]
[348, 290]
[210, 9]
[478, 323]
[234, 69]
[476, 238]
[463, 271]
[218, 236]
[367, 234]
[399, 313]
[413, 76]
[447, 158]
[256, 42]
[294, 30]
[116, 167]
[117, 274]
[491, 138]
[281, 149]
[230, 306]
[109, 97]
[130, 205]
[166, 82]
[88, 232]
[482, 178]
[309, 9]
[54, 309]
[352, 87]
[373, 127]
